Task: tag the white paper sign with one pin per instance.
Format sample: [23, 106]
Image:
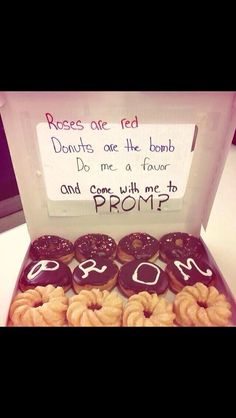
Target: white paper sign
[118, 167]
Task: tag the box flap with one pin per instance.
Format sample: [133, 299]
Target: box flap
[199, 125]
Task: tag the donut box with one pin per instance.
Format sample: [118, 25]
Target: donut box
[168, 294]
[118, 162]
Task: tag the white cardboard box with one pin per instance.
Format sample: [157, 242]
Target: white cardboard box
[27, 115]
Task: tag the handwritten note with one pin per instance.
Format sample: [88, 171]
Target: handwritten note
[118, 167]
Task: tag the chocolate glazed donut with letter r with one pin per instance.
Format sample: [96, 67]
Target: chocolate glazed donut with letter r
[97, 272]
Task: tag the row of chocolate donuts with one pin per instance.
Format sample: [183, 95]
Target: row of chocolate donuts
[135, 246]
[102, 273]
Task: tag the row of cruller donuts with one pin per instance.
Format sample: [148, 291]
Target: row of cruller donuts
[139, 246]
[196, 305]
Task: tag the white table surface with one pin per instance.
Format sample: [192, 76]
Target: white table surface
[220, 238]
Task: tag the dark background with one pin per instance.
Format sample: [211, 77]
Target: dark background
[8, 185]
[234, 138]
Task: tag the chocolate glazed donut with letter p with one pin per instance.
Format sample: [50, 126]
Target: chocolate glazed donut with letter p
[45, 272]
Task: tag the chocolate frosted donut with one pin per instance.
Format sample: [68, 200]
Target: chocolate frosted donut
[94, 245]
[97, 272]
[140, 276]
[179, 244]
[137, 246]
[44, 272]
[52, 247]
[187, 272]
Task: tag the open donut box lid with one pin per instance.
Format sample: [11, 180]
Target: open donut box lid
[73, 151]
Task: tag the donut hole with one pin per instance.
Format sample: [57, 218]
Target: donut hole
[147, 314]
[95, 307]
[179, 242]
[137, 243]
[202, 304]
[38, 303]
[51, 246]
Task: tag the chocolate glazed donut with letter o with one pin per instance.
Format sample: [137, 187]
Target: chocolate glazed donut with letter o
[98, 272]
[142, 276]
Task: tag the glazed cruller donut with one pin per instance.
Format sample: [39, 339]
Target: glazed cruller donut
[43, 306]
[148, 310]
[200, 305]
[95, 308]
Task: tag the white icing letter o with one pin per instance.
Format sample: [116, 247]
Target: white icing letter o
[135, 274]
